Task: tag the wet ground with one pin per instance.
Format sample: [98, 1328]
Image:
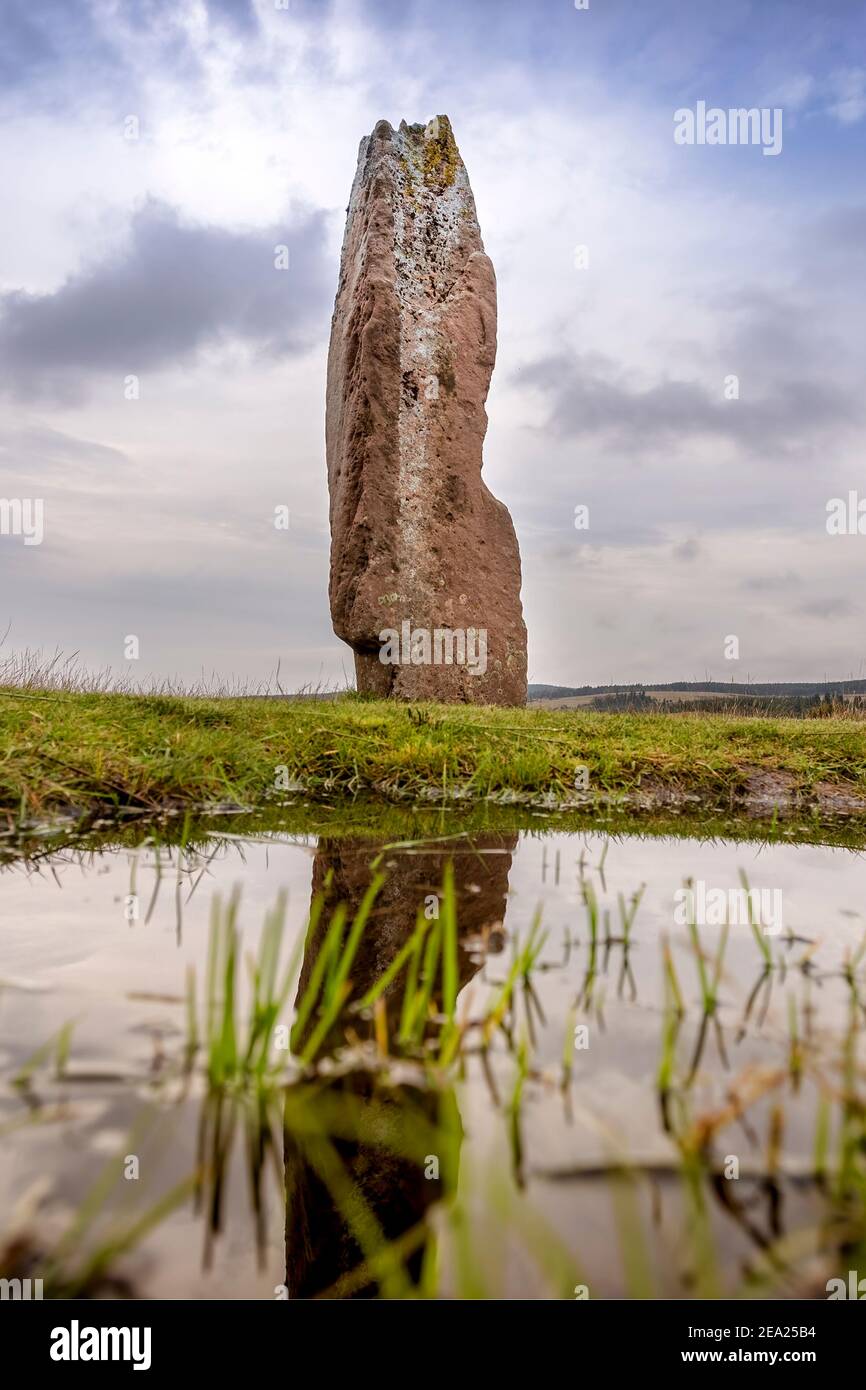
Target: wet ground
[629, 1098]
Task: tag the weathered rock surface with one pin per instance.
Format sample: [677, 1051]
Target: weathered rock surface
[418, 542]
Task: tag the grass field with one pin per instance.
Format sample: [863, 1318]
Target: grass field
[94, 753]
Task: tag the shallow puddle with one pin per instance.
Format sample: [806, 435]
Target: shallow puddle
[622, 1103]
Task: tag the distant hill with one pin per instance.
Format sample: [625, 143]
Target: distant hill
[776, 688]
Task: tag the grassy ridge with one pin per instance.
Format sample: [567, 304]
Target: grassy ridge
[98, 752]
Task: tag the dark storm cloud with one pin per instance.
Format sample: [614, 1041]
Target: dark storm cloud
[174, 289]
[587, 398]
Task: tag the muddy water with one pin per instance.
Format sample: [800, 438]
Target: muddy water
[569, 1154]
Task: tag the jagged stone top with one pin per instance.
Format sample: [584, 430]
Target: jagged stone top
[435, 221]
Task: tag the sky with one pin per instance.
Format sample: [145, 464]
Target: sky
[162, 380]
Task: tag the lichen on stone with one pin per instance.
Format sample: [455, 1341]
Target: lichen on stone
[441, 155]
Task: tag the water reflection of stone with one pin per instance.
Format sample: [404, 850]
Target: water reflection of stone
[388, 1130]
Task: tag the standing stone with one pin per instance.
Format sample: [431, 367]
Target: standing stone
[418, 542]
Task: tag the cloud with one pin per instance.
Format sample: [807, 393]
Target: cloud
[239, 13]
[707, 515]
[588, 396]
[37, 39]
[39, 451]
[770, 583]
[173, 290]
[793, 92]
[51, 48]
[849, 93]
[826, 608]
[843, 232]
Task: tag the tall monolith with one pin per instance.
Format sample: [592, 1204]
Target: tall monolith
[425, 568]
